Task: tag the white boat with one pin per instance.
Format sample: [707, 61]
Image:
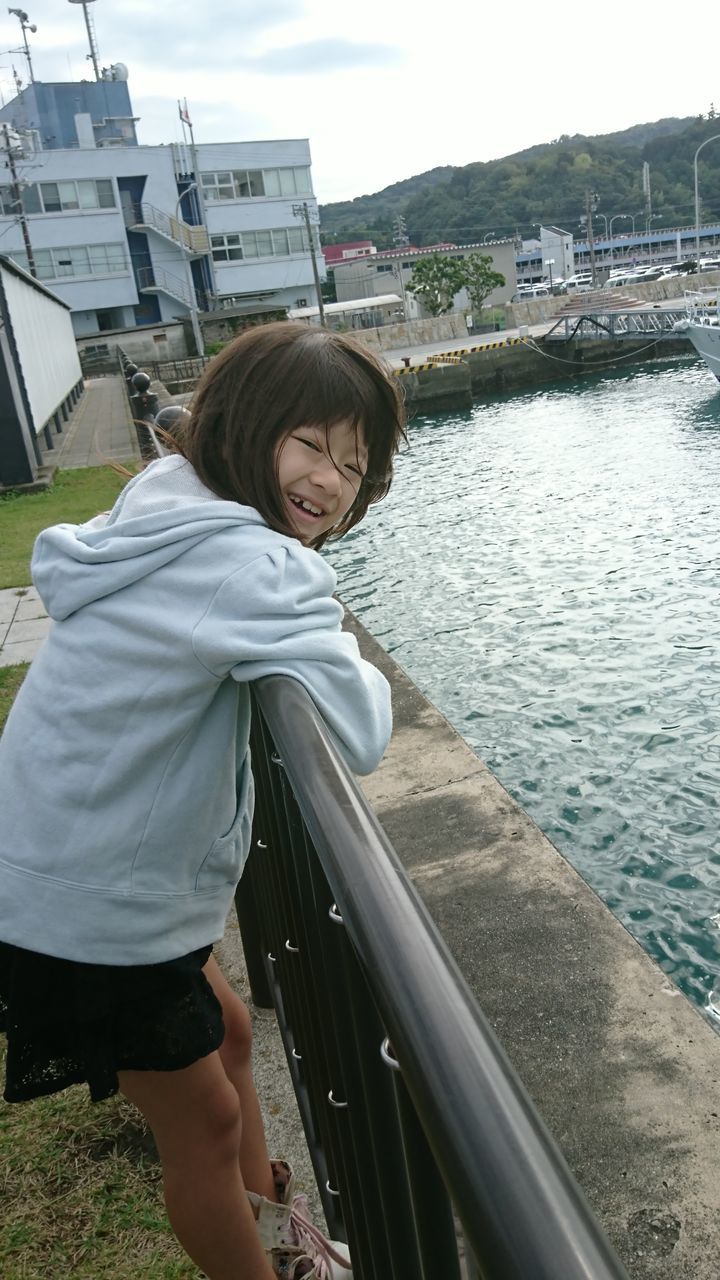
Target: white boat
[702, 326]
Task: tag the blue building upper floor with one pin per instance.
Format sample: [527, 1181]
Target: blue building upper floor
[64, 115]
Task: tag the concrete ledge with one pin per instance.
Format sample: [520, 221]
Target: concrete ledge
[43, 480]
[622, 1068]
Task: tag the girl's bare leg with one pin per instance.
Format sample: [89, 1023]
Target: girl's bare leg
[235, 1057]
[197, 1124]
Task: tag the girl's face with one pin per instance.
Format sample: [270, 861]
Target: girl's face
[319, 473]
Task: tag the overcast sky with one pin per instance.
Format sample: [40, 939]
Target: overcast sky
[383, 89]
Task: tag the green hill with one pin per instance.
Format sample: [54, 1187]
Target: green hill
[545, 183]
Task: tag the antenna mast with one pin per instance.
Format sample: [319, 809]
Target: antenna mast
[25, 26]
[93, 55]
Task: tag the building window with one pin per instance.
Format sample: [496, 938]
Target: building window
[248, 184]
[281, 242]
[65, 197]
[226, 248]
[76, 260]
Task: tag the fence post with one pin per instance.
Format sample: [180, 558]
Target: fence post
[144, 405]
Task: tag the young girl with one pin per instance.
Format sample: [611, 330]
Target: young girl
[125, 786]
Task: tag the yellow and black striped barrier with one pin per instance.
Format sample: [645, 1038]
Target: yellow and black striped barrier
[416, 368]
[455, 356]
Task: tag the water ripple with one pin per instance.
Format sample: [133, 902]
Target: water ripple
[546, 570]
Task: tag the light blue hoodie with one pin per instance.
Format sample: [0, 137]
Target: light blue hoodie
[125, 785]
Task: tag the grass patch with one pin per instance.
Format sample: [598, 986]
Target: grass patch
[10, 680]
[73, 496]
[80, 1193]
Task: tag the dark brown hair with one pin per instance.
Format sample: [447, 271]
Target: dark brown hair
[272, 380]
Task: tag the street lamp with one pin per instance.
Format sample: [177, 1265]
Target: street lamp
[487, 236]
[614, 218]
[192, 187]
[651, 218]
[194, 319]
[714, 138]
[550, 263]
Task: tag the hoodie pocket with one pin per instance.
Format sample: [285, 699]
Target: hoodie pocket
[224, 861]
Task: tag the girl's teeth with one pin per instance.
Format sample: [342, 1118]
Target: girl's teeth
[306, 506]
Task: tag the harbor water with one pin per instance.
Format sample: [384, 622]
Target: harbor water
[547, 570]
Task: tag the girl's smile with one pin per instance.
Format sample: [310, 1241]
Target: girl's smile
[319, 473]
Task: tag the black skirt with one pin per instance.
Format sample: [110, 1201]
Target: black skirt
[69, 1023]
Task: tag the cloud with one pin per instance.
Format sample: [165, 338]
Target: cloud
[324, 56]
[139, 32]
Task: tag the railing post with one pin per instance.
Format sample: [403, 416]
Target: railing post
[144, 405]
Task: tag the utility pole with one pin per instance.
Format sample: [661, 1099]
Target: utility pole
[302, 211]
[17, 197]
[590, 202]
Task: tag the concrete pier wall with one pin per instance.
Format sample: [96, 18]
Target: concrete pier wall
[624, 1071]
[516, 365]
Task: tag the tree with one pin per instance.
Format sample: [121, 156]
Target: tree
[435, 280]
[480, 278]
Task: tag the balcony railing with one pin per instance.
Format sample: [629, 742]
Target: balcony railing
[143, 217]
[157, 280]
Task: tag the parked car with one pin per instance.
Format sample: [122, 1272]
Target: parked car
[579, 283]
[652, 273]
[527, 291]
[673, 270]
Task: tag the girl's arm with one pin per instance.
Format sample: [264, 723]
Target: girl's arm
[277, 616]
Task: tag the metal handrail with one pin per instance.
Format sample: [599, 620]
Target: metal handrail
[522, 1212]
[153, 277]
[193, 238]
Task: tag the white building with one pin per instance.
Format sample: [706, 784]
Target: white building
[557, 253]
[130, 235]
[390, 271]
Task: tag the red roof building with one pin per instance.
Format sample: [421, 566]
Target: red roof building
[334, 253]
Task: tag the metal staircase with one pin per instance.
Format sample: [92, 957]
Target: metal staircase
[157, 280]
[146, 217]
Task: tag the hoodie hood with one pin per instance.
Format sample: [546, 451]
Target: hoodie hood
[163, 512]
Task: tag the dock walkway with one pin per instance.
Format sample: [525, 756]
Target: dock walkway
[100, 428]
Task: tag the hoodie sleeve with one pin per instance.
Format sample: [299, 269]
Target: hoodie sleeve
[277, 616]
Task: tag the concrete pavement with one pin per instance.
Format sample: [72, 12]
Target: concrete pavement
[23, 625]
[418, 354]
[99, 429]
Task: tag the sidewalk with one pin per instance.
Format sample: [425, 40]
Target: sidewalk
[23, 625]
[100, 428]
